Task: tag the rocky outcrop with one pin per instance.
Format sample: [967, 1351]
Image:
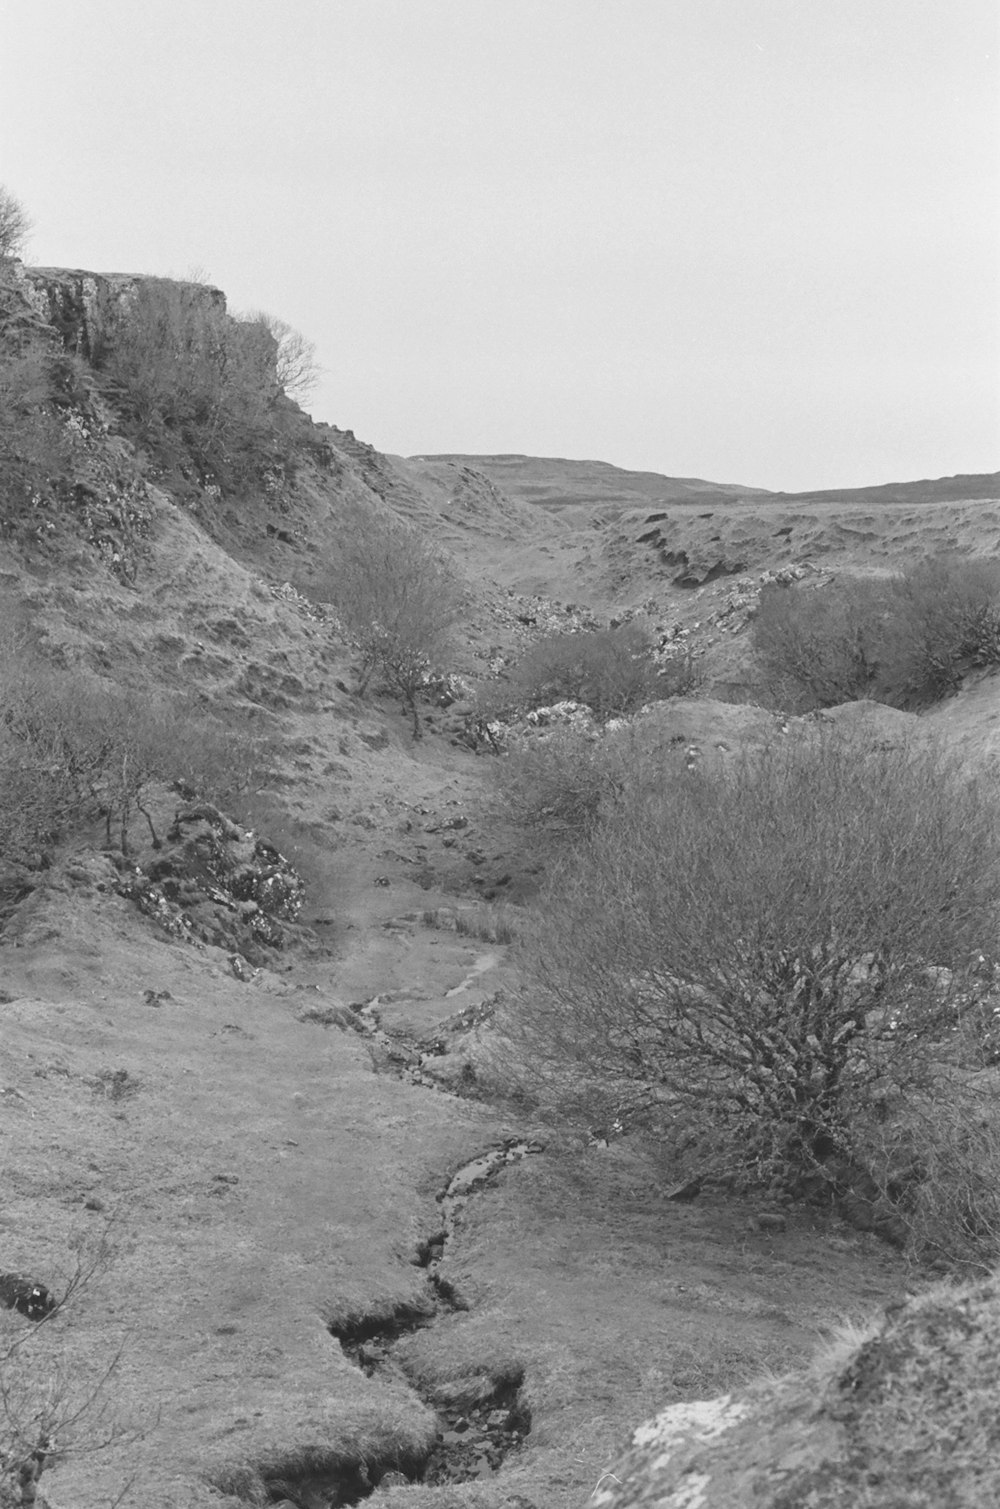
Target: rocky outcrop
[211, 881]
[905, 1414]
[80, 306]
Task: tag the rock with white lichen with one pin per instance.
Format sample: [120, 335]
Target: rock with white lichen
[904, 1414]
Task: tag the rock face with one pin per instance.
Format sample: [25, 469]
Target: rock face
[80, 305]
[905, 1416]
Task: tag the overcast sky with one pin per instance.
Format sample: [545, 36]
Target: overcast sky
[755, 241]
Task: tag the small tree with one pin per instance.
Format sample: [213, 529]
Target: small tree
[297, 368]
[773, 946]
[398, 599]
[14, 225]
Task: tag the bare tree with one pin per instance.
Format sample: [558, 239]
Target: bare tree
[48, 1408]
[296, 364]
[398, 599]
[775, 945]
[14, 225]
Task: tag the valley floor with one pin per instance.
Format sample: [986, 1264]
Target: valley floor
[263, 1189]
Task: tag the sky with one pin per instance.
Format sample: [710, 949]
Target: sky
[755, 241]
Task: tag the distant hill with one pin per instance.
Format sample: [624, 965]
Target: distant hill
[555, 483]
[962, 488]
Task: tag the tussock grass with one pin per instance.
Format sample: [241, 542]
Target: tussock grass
[488, 922]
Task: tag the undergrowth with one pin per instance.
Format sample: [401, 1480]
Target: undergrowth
[905, 639]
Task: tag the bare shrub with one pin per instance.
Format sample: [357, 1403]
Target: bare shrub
[296, 367]
[399, 600]
[951, 623]
[611, 671]
[14, 225]
[49, 1407]
[558, 788]
[906, 639]
[819, 646]
[73, 746]
[194, 379]
[756, 943]
[937, 1159]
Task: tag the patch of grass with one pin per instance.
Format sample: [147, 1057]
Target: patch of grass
[490, 922]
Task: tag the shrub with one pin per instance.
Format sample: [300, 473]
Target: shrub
[765, 944]
[906, 639]
[196, 381]
[818, 645]
[48, 1407]
[937, 1159]
[296, 367]
[73, 747]
[612, 671]
[14, 225]
[558, 788]
[398, 599]
[951, 617]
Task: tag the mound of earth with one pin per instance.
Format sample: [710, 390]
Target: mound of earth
[905, 1415]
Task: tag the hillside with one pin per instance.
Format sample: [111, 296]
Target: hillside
[556, 483]
[317, 1250]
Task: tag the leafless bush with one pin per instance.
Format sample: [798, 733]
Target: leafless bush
[558, 788]
[196, 380]
[905, 639]
[14, 225]
[773, 944]
[296, 367]
[937, 1159]
[398, 599]
[50, 1408]
[611, 671]
[73, 746]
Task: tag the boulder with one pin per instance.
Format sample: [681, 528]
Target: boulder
[901, 1414]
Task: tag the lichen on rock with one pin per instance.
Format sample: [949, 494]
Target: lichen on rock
[214, 882]
[904, 1416]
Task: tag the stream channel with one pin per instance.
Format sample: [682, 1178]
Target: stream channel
[481, 1420]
